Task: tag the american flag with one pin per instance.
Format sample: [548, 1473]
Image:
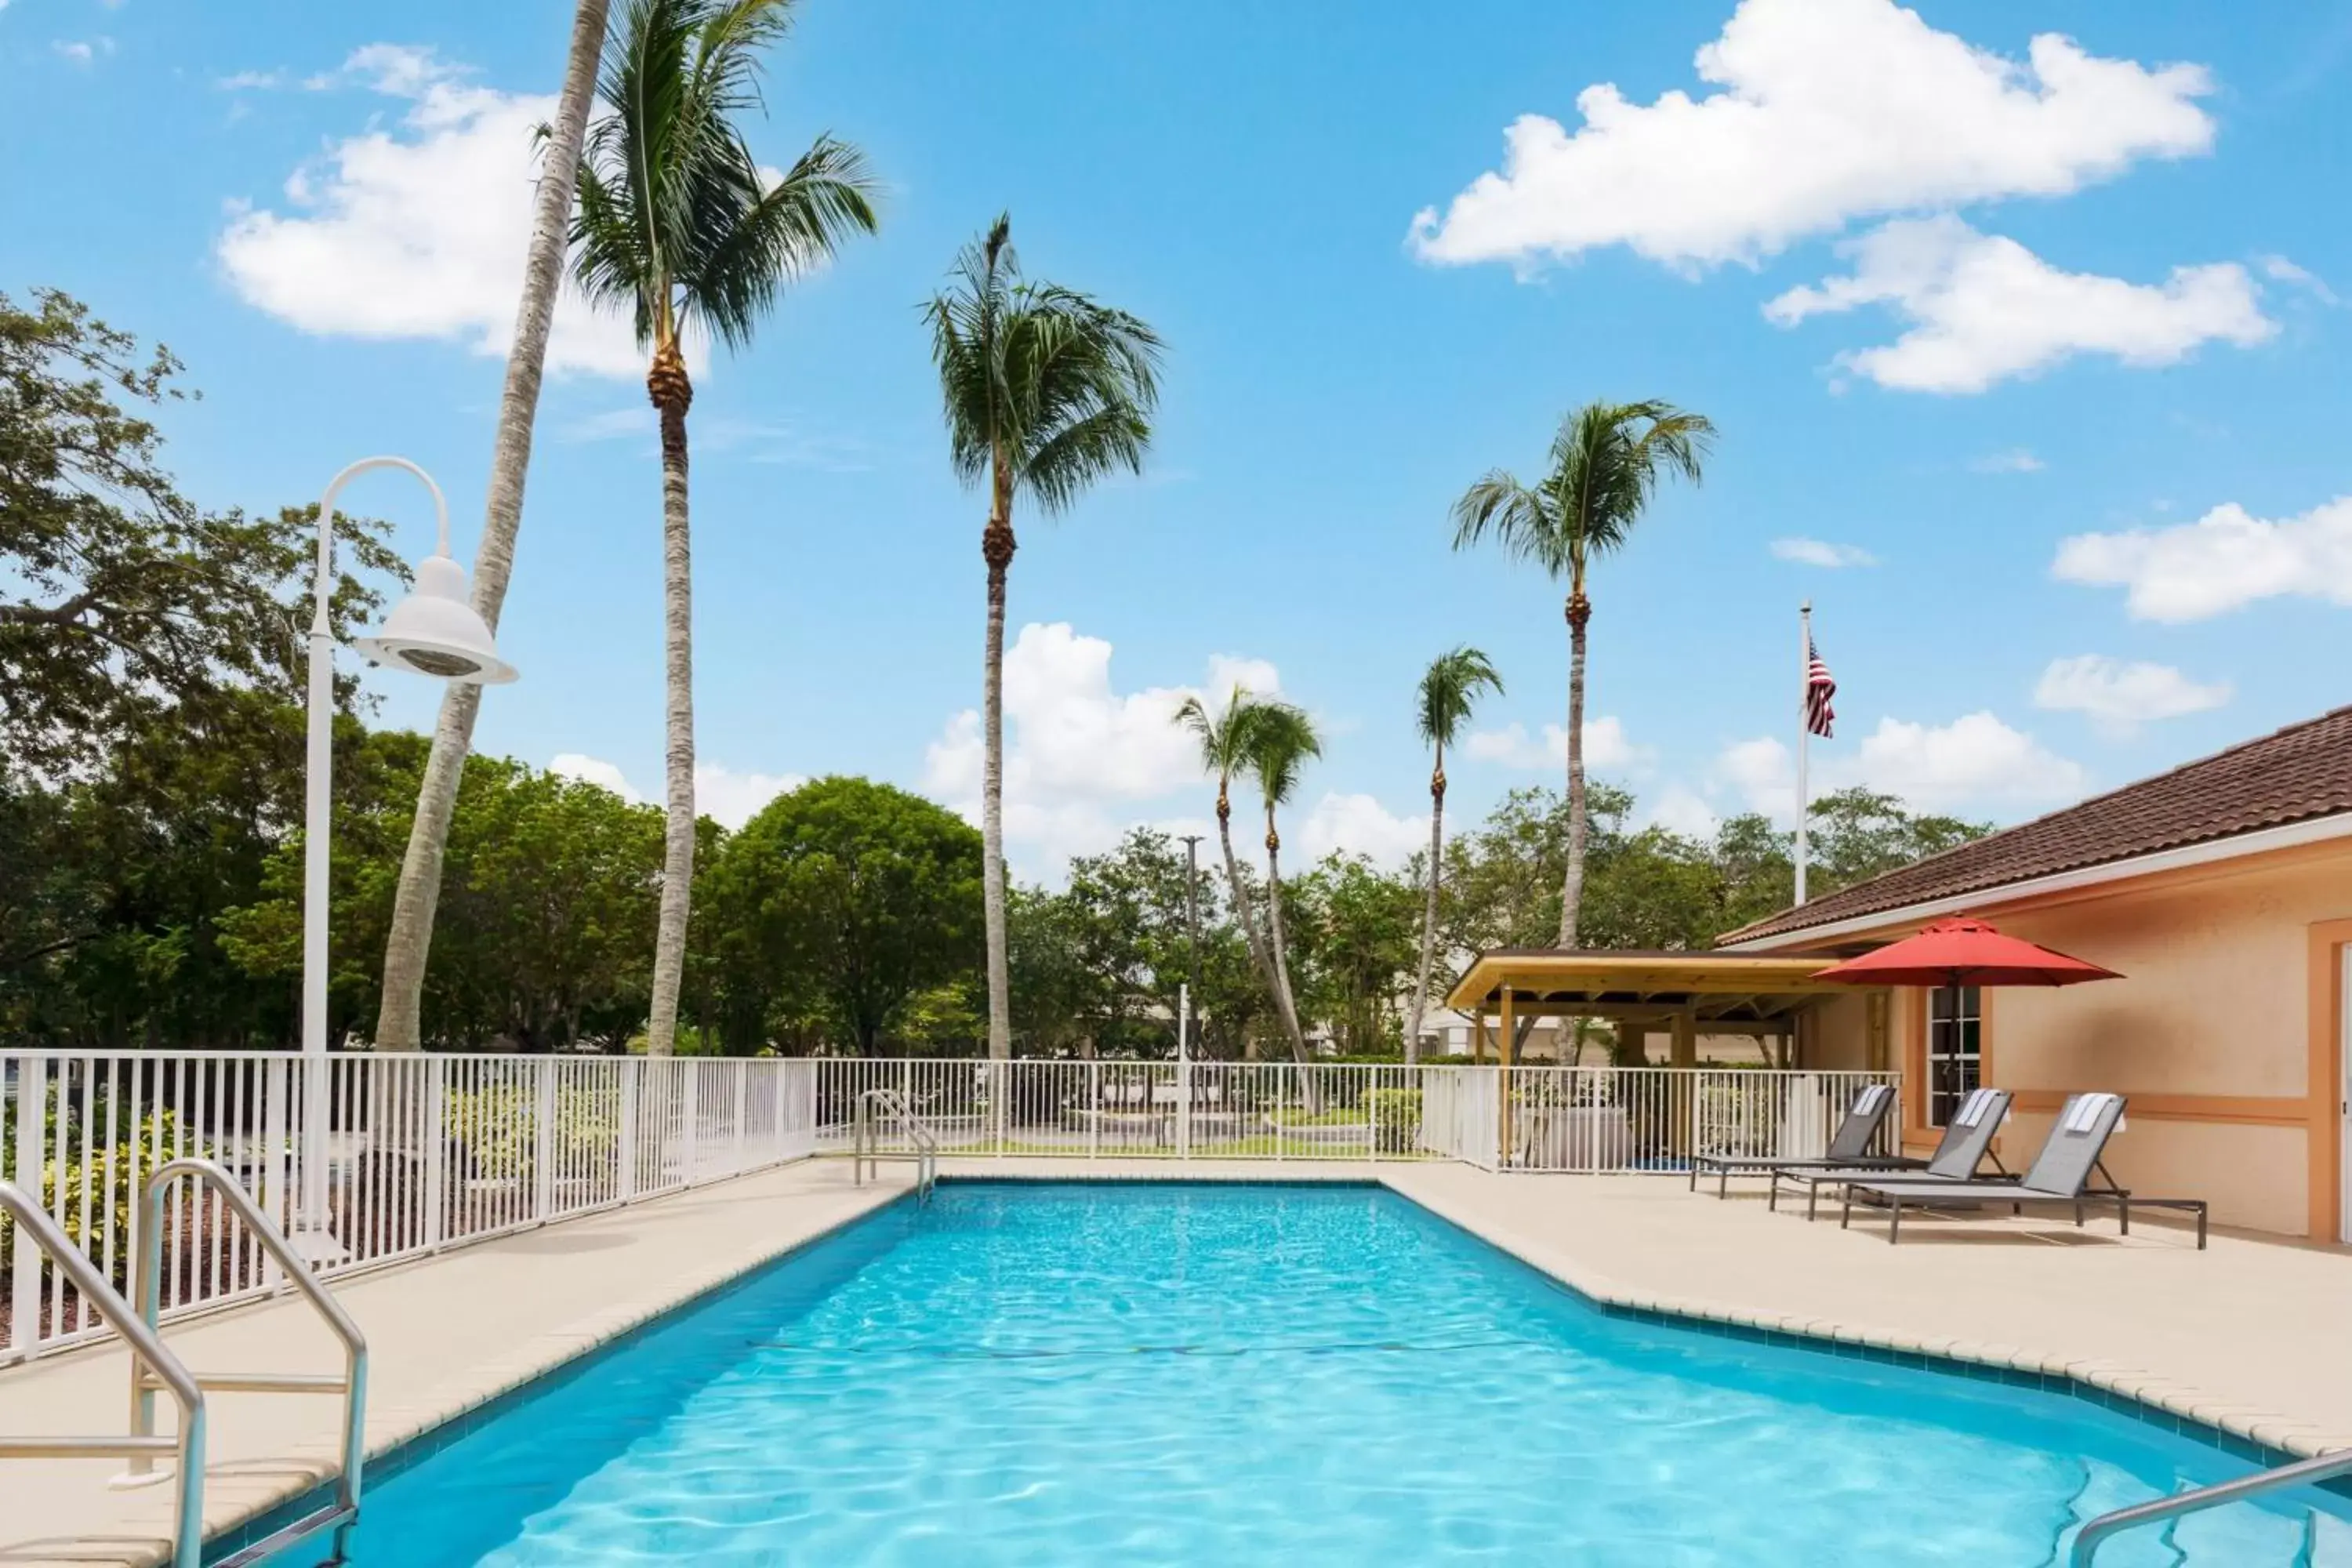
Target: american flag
[1819, 687]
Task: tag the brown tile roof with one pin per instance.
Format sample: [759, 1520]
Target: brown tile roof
[2295, 775]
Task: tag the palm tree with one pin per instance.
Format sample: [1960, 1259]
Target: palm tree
[419, 891]
[1225, 739]
[1277, 741]
[1046, 392]
[1602, 471]
[1450, 688]
[678, 221]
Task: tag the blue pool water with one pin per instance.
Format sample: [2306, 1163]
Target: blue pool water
[1194, 1374]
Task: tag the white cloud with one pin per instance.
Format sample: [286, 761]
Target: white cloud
[720, 793]
[2224, 561]
[1982, 307]
[732, 798]
[1975, 762]
[255, 81]
[1359, 824]
[81, 51]
[1975, 759]
[2285, 271]
[1081, 760]
[1822, 552]
[418, 230]
[1680, 809]
[2016, 460]
[1606, 748]
[595, 771]
[2120, 697]
[1826, 111]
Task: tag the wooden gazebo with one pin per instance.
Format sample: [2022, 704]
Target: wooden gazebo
[1680, 995]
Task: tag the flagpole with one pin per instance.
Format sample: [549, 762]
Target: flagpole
[1804, 729]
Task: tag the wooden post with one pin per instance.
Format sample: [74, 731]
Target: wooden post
[1503, 1036]
[1683, 1054]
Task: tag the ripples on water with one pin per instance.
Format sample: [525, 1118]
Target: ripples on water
[1194, 1374]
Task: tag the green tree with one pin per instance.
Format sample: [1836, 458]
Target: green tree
[678, 221]
[1450, 689]
[1226, 740]
[123, 606]
[1857, 834]
[1603, 469]
[849, 900]
[1045, 393]
[396, 1026]
[1357, 941]
[1279, 739]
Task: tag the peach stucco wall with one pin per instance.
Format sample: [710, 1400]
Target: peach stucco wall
[2216, 1004]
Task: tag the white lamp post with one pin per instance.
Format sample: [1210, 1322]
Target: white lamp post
[435, 632]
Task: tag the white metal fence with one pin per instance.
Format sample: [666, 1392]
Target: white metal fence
[428, 1151]
[423, 1151]
[1586, 1120]
[1199, 1111]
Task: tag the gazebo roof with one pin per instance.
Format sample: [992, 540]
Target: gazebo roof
[1727, 987]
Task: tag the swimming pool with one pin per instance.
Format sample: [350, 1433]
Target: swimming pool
[1223, 1374]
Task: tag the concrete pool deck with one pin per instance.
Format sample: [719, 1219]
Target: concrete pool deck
[2244, 1337]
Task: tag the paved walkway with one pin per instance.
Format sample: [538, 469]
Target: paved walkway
[2247, 1335]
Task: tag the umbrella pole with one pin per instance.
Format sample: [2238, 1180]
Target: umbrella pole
[1954, 1054]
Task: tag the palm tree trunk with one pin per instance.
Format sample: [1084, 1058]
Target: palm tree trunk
[996, 547]
[672, 393]
[1429, 910]
[1251, 935]
[1284, 1001]
[418, 896]
[1571, 893]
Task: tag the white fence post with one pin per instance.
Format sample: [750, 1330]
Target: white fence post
[690, 1131]
[542, 1143]
[742, 1075]
[24, 1277]
[625, 1181]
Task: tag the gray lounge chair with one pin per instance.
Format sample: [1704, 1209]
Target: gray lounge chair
[1966, 1144]
[2061, 1174]
[1849, 1145]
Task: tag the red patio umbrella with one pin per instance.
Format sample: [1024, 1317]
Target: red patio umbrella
[1961, 951]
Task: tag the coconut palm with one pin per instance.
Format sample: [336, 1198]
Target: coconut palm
[678, 221]
[1277, 742]
[1450, 688]
[1603, 469]
[1046, 391]
[1224, 751]
[419, 891]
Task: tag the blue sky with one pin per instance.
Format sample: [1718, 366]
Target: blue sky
[2022, 314]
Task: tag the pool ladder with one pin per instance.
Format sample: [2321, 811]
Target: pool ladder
[154, 1368]
[2302, 1472]
[876, 1106]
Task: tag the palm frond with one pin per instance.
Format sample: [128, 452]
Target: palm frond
[1057, 386]
[1279, 739]
[674, 215]
[1449, 692]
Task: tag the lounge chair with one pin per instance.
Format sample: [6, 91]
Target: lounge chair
[2061, 1174]
[1849, 1146]
[1967, 1143]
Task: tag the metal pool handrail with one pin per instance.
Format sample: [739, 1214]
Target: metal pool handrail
[149, 1360]
[866, 1150]
[2088, 1539]
[147, 1287]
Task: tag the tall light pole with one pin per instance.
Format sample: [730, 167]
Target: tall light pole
[433, 632]
[1191, 937]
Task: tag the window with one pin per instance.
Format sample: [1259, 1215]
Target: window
[1955, 1050]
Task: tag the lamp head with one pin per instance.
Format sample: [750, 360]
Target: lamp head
[436, 632]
